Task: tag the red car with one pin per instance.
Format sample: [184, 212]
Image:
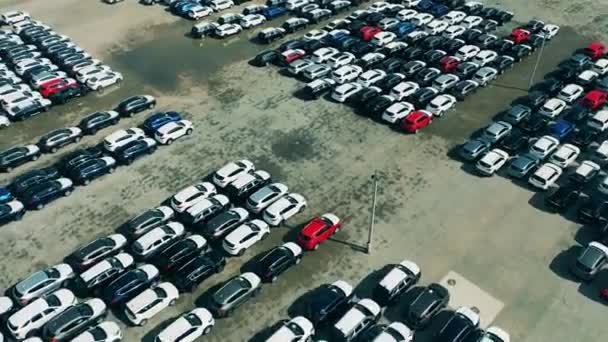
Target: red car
[292, 55]
[368, 32]
[51, 87]
[318, 230]
[595, 50]
[416, 120]
[595, 98]
[519, 35]
[448, 63]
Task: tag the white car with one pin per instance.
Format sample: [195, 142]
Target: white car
[454, 17]
[441, 104]
[188, 327]
[227, 30]
[252, 20]
[315, 35]
[453, 31]
[22, 323]
[157, 238]
[484, 75]
[549, 31]
[191, 195]
[421, 19]
[332, 24]
[495, 334]
[403, 90]
[565, 155]
[284, 208]
[552, 108]
[220, 5]
[397, 111]
[496, 131]
[198, 12]
[26, 64]
[102, 81]
[587, 77]
[544, 146]
[600, 66]
[346, 73]
[264, 197]
[150, 302]
[4, 121]
[395, 332]
[340, 60]
[383, 38]
[467, 52]
[295, 4]
[471, 21]
[406, 14]
[231, 171]
[106, 331]
[12, 17]
[379, 6]
[492, 162]
[297, 329]
[18, 99]
[122, 137]
[359, 317]
[436, 26]
[344, 91]
[570, 93]
[370, 77]
[545, 176]
[323, 54]
[169, 132]
[84, 74]
[245, 236]
[484, 57]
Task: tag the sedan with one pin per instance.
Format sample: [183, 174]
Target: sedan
[234, 293]
[188, 327]
[278, 260]
[245, 236]
[135, 104]
[172, 131]
[284, 208]
[52, 141]
[40, 283]
[96, 250]
[426, 305]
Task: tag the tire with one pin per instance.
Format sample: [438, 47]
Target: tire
[337, 230]
[77, 139]
[111, 170]
[207, 330]
[67, 193]
[316, 247]
[53, 149]
[298, 260]
[272, 280]
[19, 216]
[219, 269]
[152, 105]
[143, 322]
[169, 142]
[265, 236]
[39, 206]
[172, 302]
[130, 114]
[240, 253]
[92, 131]
[416, 131]
[86, 182]
[189, 131]
[35, 157]
[115, 121]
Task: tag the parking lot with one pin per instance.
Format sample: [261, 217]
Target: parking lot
[429, 210]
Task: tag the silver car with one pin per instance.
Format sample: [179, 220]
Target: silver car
[264, 197]
[41, 283]
[522, 165]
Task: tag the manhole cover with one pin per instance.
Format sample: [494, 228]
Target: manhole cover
[451, 282]
[475, 309]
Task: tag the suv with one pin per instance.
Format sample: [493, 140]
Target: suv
[74, 320]
[278, 260]
[463, 323]
[147, 221]
[246, 184]
[135, 104]
[428, 303]
[37, 196]
[102, 273]
[396, 282]
[179, 252]
[328, 302]
[234, 293]
[355, 321]
[135, 149]
[195, 271]
[92, 169]
[130, 284]
[89, 254]
[18, 155]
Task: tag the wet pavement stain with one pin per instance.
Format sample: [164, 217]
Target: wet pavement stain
[294, 146]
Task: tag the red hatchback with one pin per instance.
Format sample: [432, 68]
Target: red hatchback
[595, 50]
[416, 120]
[368, 32]
[318, 230]
[292, 55]
[519, 35]
[448, 63]
[51, 87]
[595, 98]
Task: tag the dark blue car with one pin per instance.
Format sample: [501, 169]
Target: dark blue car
[130, 284]
[403, 29]
[561, 129]
[5, 195]
[425, 6]
[439, 10]
[274, 12]
[157, 120]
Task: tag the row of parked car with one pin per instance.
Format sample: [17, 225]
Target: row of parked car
[40, 68]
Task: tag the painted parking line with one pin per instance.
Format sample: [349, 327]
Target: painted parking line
[465, 293]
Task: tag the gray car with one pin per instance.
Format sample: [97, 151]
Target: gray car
[522, 166]
[602, 83]
[147, 221]
[264, 197]
[234, 293]
[474, 149]
[517, 113]
[41, 283]
[590, 261]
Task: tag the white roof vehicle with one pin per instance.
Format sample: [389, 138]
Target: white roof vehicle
[197, 12]
[453, 31]
[26, 64]
[422, 18]
[484, 57]
[467, 52]
[106, 331]
[545, 176]
[191, 195]
[395, 332]
[346, 73]
[378, 6]
[370, 77]
[315, 34]
[565, 155]
[324, 54]
[206, 207]
[436, 26]
[122, 137]
[84, 74]
[172, 131]
[495, 334]
[600, 66]
[9, 18]
[492, 162]
[340, 59]
[441, 104]
[544, 146]
[383, 38]
[150, 302]
[41, 282]
[570, 93]
[154, 240]
[297, 329]
[397, 111]
[231, 171]
[496, 131]
[406, 14]
[403, 90]
[219, 5]
[264, 197]
[587, 77]
[471, 21]
[245, 236]
[226, 30]
[284, 208]
[104, 80]
[344, 91]
[454, 17]
[188, 327]
[484, 75]
[362, 315]
[599, 120]
[549, 31]
[252, 20]
[552, 108]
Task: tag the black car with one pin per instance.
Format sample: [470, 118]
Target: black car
[465, 70]
[91, 281]
[35, 107]
[584, 137]
[471, 35]
[432, 42]
[473, 8]
[391, 65]
[361, 48]
[535, 41]
[411, 53]
[18, 155]
[463, 89]
[592, 208]
[502, 46]
[485, 40]
[377, 105]
[74, 320]
[37, 196]
[278, 260]
[423, 96]
[346, 44]
[179, 253]
[128, 153]
[54, 140]
[96, 250]
[410, 68]
[147, 221]
[98, 120]
[515, 142]
[488, 25]
[130, 284]
[488, 12]
[502, 63]
[222, 224]
[460, 325]
[374, 18]
[520, 51]
[533, 124]
[68, 93]
[328, 302]
[566, 73]
[452, 45]
[317, 88]
[428, 303]
[135, 104]
[536, 98]
[432, 57]
[33, 177]
[355, 26]
[364, 95]
[391, 80]
[425, 76]
[87, 171]
[268, 36]
[314, 45]
[11, 211]
[72, 159]
[502, 16]
[197, 270]
[266, 57]
[563, 197]
[577, 113]
[552, 85]
[534, 26]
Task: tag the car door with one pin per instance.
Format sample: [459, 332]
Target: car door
[323, 233]
[249, 240]
[238, 298]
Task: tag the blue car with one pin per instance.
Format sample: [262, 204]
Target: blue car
[183, 8]
[439, 10]
[274, 12]
[561, 129]
[403, 29]
[5, 195]
[157, 120]
[425, 6]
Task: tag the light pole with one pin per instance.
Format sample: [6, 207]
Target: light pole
[370, 235]
[540, 53]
